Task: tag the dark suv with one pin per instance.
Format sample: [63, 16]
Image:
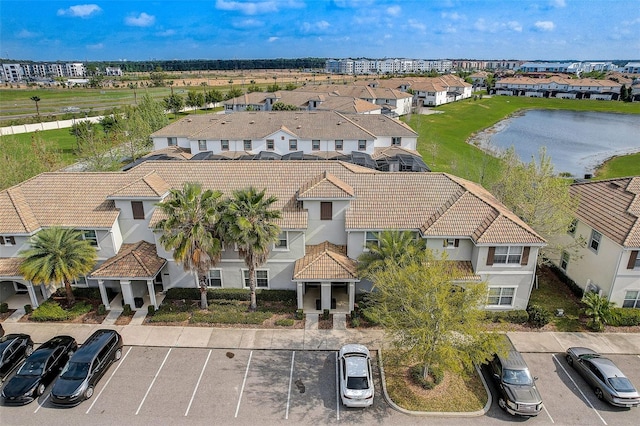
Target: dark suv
[81, 374]
[518, 392]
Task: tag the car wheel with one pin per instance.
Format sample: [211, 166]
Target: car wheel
[41, 388]
[29, 350]
[118, 354]
[501, 403]
[88, 393]
[569, 360]
[599, 393]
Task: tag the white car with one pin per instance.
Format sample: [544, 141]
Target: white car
[356, 379]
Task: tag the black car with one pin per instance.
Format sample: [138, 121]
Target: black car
[39, 370]
[83, 370]
[13, 348]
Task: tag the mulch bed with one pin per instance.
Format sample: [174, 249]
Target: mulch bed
[325, 324]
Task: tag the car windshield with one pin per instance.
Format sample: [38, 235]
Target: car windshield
[75, 370]
[517, 377]
[31, 368]
[621, 384]
[357, 383]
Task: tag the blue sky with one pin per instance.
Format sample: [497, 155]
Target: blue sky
[49, 30]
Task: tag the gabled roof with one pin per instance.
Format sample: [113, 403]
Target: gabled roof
[611, 207]
[325, 186]
[139, 260]
[325, 261]
[149, 186]
[16, 214]
[10, 267]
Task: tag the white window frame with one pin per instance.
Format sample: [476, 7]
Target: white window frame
[501, 296]
[396, 141]
[202, 145]
[247, 143]
[224, 145]
[635, 300]
[271, 145]
[293, 144]
[245, 278]
[210, 278]
[509, 257]
[80, 282]
[369, 238]
[277, 246]
[339, 144]
[7, 240]
[564, 260]
[83, 232]
[449, 243]
[315, 144]
[572, 227]
[596, 237]
[172, 141]
[362, 145]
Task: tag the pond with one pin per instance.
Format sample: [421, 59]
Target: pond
[576, 141]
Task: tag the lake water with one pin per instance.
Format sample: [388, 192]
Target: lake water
[576, 141]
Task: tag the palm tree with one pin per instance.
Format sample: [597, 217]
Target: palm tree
[36, 99]
[401, 246]
[248, 223]
[599, 309]
[190, 230]
[57, 255]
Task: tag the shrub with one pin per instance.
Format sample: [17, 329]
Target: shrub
[178, 293]
[625, 317]
[228, 294]
[28, 309]
[126, 310]
[436, 374]
[101, 309]
[515, 317]
[151, 310]
[49, 311]
[325, 314]
[4, 307]
[286, 296]
[538, 316]
[285, 322]
[169, 317]
[355, 322]
[299, 314]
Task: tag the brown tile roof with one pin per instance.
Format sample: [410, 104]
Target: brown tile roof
[465, 270]
[149, 186]
[139, 260]
[10, 267]
[611, 207]
[325, 261]
[391, 151]
[16, 215]
[325, 186]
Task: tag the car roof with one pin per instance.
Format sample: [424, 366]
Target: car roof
[354, 348]
[88, 350]
[54, 342]
[356, 365]
[513, 360]
[608, 368]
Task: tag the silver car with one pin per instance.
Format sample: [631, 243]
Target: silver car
[608, 382]
[356, 379]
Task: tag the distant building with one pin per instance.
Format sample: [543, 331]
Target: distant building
[16, 73]
[558, 87]
[631, 68]
[113, 71]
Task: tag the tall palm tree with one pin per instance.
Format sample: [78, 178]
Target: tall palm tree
[248, 222]
[190, 230]
[57, 256]
[401, 246]
[36, 99]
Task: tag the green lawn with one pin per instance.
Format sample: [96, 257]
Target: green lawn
[552, 294]
[626, 165]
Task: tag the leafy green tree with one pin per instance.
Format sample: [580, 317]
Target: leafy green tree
[152, 112]
[57, 257]
[134, 131]
[36, 99]
[281, 106]
[96, 81]
[157, 77]
[599, 310]
[290, 86]
[234, 92]
[95, 148]
[253, 88]
[174, 103]
[190, 229]
[213, 96]
[249, 222]
[194, 99]
[20, 161]
[109, 121]
[273, 87]
[401, 246]
[431, 319]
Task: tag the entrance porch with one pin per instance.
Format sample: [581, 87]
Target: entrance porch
[337, 297]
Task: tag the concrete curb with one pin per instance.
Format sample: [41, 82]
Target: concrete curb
[396, 407]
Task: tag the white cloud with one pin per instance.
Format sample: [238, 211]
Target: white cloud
[248, 23]
[26, 34]
[453, 16]
[545, 25]
[257, 6]
[494, 27]
[166, 33]
[142, 20]
[394, 10]
[272, 39]
[80, 10]
[315, 26]
[559, 3]
[515, 26]
[96, 46]
[417, 25]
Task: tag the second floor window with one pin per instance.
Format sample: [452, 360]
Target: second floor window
[202, 145]
[564, 261]
[396, 140]
[339, 144]
[270, 144]
[634, 260]
[293, 144]
[224, 145]
[172, 141]
[247, 144]
[326, 210]
[137, 209]
[91, 236]
[362, 145]
[572, 227]
[283, 241]
[594, 241]
[371, 238]
[7, 241]
[508, 255]
[315, 145]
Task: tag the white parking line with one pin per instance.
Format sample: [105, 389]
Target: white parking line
[293, 356]
[579, 390]
[43, 402]
[337, 390]
[153, 381]
[546, 411]
[244, 381]
[105, 385]
[198, 384]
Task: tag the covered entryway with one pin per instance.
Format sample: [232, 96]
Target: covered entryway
[326, 279]
[135, 269]
[15, 291]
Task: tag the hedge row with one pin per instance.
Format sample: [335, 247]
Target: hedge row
[286, 296]
[575, 289]
[516, 317]
[52, 311]
[626, 317]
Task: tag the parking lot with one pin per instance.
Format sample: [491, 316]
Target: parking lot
[215, 386]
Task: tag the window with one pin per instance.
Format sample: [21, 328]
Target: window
[202, 145]
[572, 227]
[564, 260]
[362, 145]
[262, 278]
[396, 140]
[214, 278]
[80, 282]
[339, 144]
[172, 141]
[508, 255]
[138, 209]
[634, 260]
[631, 299]
[270, 144]
[450, 242]
[283, 241]
[91, 236]
[326, 210]
[8, 241]
[293, 144]
[501, 296]
[371, 238]
[224, 145]
[315, 145]
[247, 144]
[594, 242]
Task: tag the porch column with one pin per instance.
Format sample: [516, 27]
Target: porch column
[32, 294]
[45, 291]
[127, 294]
[325, 296]
[300, 294]
[352, 296]
[103, 294]
[152, 294]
